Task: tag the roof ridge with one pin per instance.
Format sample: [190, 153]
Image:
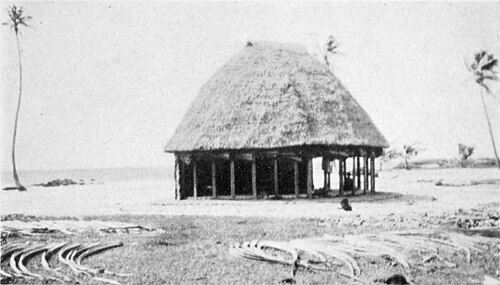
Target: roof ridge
[263, 44]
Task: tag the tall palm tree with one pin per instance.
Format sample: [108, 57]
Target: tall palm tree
[483, 69]
[17, 19]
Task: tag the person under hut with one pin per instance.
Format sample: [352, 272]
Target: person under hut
[349, 183]
[326, 165]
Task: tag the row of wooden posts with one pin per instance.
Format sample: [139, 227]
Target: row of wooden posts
[368, 170]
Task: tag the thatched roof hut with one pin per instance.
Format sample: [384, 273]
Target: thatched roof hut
[272, 99]
[272, 96]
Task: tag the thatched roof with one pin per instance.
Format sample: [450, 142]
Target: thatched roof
[273, 95]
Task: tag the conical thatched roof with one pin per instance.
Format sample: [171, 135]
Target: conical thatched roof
[274, 95]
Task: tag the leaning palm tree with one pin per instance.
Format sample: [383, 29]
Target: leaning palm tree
[483, 69]
[17, 19]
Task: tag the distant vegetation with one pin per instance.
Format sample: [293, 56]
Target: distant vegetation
[405, 157]
[406, 152]
[446, 163]
[464, 151]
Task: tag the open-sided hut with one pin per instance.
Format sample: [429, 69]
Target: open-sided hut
[259, 121]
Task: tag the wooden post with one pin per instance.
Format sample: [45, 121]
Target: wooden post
[341, 176]
[365, 175]
[231, 171]
[195, 179]
[276, 182]
[176, 167]
[309, 177]
[328, 181]
[296, 177]
[254, 177]
[358, 172]
[214, 180]
[344, 167]
[182, 187]
[353, 174]
[325, 179]
[372, 173]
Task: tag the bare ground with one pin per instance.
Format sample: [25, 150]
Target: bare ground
[399, 192]
[194, 247]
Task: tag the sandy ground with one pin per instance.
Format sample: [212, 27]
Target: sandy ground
[156, 197]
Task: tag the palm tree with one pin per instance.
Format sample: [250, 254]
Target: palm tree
[17, 19]
[330, 49]
[464, 151]
[483, 70]
[408, 152]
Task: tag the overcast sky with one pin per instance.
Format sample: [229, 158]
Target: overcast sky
[105, 84]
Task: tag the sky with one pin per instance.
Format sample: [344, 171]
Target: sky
[106, 83]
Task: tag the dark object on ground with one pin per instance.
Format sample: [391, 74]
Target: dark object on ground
[165, 242]
[288, 281]
[263, 195]
[276, 197]
[322, 192]
[20, 188]
[57, 182]
[394, 279]
[345, 205]
[4, 238]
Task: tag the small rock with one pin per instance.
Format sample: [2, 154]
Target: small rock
[394, 279]
[345, 205]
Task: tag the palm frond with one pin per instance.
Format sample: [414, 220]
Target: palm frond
[483, 68]
[17, 17]
[491, 77]
[404, 247]
[490, 64]
[478, 56]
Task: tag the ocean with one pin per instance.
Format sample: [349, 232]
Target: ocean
[104, 175]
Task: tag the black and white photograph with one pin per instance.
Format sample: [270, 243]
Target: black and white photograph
[250, 142]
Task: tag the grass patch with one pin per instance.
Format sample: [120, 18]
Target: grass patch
[194, 250]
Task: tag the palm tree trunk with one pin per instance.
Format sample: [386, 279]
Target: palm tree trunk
[16, 177]
[497, 160]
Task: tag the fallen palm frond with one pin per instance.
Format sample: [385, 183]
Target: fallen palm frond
[48, 253]
[96, 248]
[45, 263]
[403, 247]
[69, 254]
[5, 274]
[70, 259]
[71, 227]
[8, 249]
[25, 256]
[66, 249]
[71, 264]
[256, 250]
[105, 280]
[13, 263]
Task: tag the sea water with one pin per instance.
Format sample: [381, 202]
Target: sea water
[98, 192]
[89, 176]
